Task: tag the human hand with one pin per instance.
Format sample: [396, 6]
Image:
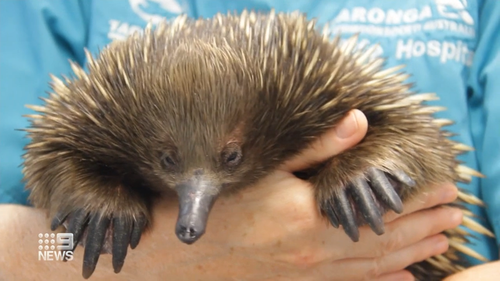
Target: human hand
[271, 231]
[484, 272]
[286, 228]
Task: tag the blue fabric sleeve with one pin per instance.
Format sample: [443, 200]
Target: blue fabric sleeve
[38, 37]
[484, 83]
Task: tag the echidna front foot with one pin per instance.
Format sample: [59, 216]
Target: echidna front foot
[100, 234]
[363, 200]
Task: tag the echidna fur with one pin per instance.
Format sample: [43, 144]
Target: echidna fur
[288, 83]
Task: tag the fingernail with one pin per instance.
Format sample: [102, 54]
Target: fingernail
[457, 216]
[441, 245]
[349, 126]
[449, 195]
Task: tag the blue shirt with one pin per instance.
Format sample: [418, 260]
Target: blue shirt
[451, 47]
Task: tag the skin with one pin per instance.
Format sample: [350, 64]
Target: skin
[488, 271]
[301, 245]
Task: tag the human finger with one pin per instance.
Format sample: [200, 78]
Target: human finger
[437, 195]
[370, 268]
[406, 231]
[428, 247]
[402, 275]
[336, 246]
[351, 130]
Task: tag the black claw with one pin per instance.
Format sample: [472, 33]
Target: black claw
[122, 229]
[404, 178]
[384, 190]
[330, 213]
[139, 225]
[368, 208]
[93, 244]
[346, 215]
[76, 225]
[58, 220]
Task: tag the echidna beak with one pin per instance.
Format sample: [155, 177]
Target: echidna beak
[196, 198]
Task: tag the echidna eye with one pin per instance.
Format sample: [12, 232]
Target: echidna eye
[232, 156]
[168, 161]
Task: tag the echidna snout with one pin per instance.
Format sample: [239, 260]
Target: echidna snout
[196, 198]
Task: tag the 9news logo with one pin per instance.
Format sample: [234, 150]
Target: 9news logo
[55, 247]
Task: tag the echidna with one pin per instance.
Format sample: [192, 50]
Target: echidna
[206, 107]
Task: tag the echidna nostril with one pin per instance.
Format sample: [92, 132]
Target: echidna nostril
[188, 235]
[188, 232]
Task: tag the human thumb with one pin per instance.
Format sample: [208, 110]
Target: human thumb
[350, 131]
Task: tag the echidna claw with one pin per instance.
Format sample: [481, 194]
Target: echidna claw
[384, 189]
[363, 197]
[346, 215]
[139, 225]
[95, 239]
[330, 214]
[363, 200]
[58, 220]
[92, 231]
[403, 178]
[76, 225]
[122, 231]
